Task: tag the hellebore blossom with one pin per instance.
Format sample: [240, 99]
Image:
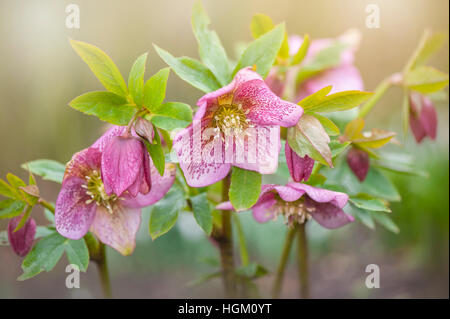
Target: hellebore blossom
[342, 77]
[422, 117]
[300, 168]
[298, 202]
[21, 241]
[241, 119]
[84, 204]
[358, 161]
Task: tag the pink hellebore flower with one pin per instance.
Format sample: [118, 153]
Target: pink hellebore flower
[300, 168]
[125, 163]
[21, 241]
[422, 117]
[342, 77]
[359, 162]
[241, 119]
[83, 203]
[298, 202]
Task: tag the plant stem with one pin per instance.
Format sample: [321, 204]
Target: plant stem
[103, 271]
[47, 205]
[379, 91]
[282, 265]
[303, 261]
[225, 242]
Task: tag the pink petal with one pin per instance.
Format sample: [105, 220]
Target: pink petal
[358, 161]
[112, 132]
[428, 117]
[262, 211]
[83, 163]
[122, 165]
[160, 186]
[117, 229]
[327, 214]
[342, 78]
[202, 159]
[321, 195]
[259, 151]
[21, 241]
[276, 82]
[73, 216]
[300, 168]
[264, 107]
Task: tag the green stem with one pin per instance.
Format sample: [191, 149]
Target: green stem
[242, 243]
[379, 91]
[282, 265]
[47, 205]
[225, 242]
[102, 266]
[303, 261]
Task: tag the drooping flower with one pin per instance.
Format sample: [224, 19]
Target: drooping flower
[345, 76]
[359, 163]
[83, 203]
[300, 168]
[237, 125]
[422, 117]
[125, 164]
[21, 241]
[298, 202]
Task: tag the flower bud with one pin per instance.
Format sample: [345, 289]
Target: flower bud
[21, 241]
[358, 161]
[300, 168]
[422, 117]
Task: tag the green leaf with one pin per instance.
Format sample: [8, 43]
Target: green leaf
[385, 221]
[308, 137]
[261, 24]
[365, 217]
[245, 188]
[252, 271]
[165, 212]
[6, 190]
[102, 66]
[324, 59]
[15, 181]
[171, 115]
[204, 278]
[263, 51]
[155, 89]
[78, 253]
[328, 125]
[44, 256]
[405, 114]
[340, 101]
[156, 153]
[10, 208]
[202, 212]
[337, 148]
[48, 169]
[367, 202]
[191, 71]
[106, 106]
[429, 44]
[136, 79]
[302, 51]
[210, 48]
[426, 79]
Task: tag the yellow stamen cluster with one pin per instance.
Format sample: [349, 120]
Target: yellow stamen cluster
[293, 212]
[96, 191]
[231, 119]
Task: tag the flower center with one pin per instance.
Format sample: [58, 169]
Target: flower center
[230, 119]
[96, 190]
[293, 212]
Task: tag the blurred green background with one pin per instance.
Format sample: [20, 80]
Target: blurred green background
[40, 74]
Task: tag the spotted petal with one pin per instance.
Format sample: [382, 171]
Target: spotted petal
[21, 241]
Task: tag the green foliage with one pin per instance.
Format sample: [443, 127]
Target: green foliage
[245, 188]
[202, 212]
[155, 89]
[156, 152]
[106, 106]
[10, 208]
[136, 79]
[252, 271]
[49, 250]
[368, 202]
[102, 66]
[262, 51]
[309, 137]
[210, 48]
[171, 115]
[429, 44]
[328, 125]
[426, 79]
[165, 212]
[48, 169]
[191, 71]
[322, 103]
[301, 53]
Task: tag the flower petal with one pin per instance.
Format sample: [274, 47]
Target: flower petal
[160, 186]
[117, 229]
[262, 210]
[321, 195]
[358, 161]
[83, 163]
[104, 140]
[328, 214]
[73, 216]
[300, 168]
[21, 241]
[428, 117]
